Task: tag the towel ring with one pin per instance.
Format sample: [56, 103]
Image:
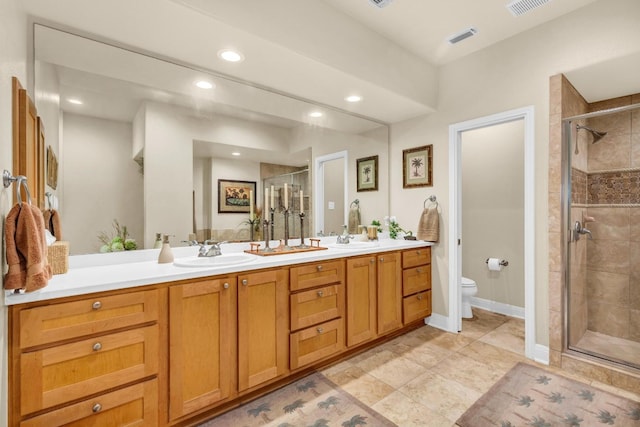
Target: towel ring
[355, 202]
[49, 195]
[8, 179]
[431, 199]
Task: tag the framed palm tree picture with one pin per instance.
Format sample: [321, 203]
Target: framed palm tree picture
[367, 168]
[417, 167]
[236, 196]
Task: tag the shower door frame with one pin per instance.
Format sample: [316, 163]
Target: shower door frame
[566, 234]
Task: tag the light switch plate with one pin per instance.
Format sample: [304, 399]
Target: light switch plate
[332, 205]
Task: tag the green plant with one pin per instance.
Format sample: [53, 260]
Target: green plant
[394, 227]
[118, 242]
[377, 224]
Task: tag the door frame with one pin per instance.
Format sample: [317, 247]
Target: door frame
[318, 193]
[455, 219]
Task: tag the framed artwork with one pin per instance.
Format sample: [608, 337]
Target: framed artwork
[52, 168]
[234, 196]
[417, 167]
[367, 168]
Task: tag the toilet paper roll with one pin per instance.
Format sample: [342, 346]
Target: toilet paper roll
[494, 264]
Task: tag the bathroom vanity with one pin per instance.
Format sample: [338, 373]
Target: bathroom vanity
[152, 344]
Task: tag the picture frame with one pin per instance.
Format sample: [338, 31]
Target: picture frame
[52, 168]
[367, 174]
[417, 167]
[233, 195]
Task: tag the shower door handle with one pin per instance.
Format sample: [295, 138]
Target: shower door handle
[578, 229]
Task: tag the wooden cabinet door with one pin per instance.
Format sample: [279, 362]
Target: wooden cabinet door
[201, 354]
[263, 331]
[389, 292]
[361, 299]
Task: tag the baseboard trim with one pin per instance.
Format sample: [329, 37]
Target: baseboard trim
[498, 307]
[541, 354]
[438, 321]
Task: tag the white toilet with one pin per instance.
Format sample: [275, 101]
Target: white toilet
[469, 289]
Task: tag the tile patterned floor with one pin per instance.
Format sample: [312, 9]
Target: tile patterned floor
[429, 377]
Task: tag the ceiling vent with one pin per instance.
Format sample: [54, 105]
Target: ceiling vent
[380, 3]
[520, 7]
[463, 35]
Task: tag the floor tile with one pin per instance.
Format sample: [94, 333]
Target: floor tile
[406, 412]
[361, 385]
[509, 335]
[392, 369]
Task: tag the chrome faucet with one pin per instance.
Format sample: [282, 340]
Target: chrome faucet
[343, 239]
[214, 249]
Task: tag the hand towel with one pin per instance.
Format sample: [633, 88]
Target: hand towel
[428, 227]
[354, 219]
[52, 223]
[26, 249]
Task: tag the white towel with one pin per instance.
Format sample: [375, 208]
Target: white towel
[428, 227]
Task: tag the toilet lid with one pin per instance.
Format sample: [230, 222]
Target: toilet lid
[468, 282]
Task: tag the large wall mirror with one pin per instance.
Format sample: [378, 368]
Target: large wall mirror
[136, 141]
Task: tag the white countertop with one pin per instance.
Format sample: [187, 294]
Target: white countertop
[107, 272]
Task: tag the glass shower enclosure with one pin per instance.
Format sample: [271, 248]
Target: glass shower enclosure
[601, 171]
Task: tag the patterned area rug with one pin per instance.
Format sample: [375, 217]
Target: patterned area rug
[529, 396]
[312, 401]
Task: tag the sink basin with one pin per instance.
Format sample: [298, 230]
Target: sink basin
[353, 245]
[223, 260]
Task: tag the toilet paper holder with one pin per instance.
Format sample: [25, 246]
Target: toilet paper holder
[503, 262]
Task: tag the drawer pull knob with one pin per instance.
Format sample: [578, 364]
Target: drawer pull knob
[226, 286]
[419, 270]
[96, 408]
[319, 268]
[97, 347]
[417, 252]
[96, 305]
[320, 293]
[373, 260]
[245, 282]
[420, 297]
[381, 259]
[320, 330]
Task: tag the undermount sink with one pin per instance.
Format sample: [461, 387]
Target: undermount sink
[353, 245]
[223, 260]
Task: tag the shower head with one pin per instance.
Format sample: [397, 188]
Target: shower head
[597, 136]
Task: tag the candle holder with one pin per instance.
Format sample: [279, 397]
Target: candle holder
[265, 231]
[272, 212]
[302, 244]
[286, 246]
[252, 225]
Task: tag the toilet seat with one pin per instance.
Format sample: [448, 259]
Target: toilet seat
[467, 283]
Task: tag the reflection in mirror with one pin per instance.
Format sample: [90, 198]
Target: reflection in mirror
[137, 141]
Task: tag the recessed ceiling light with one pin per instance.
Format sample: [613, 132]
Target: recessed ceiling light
[230, 55]
[235, 153]
[315, 114]
[353, 98]
[203, 84]
[74, 101]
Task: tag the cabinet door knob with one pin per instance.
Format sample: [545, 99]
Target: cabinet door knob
[97, 347]
[245, 282]
[417, 252]
[320, 330]
[320, 293]
[419, 296]
[319, 268]
[381, 259]
[226, 286]
[419, 270]
[96, 408]
[372, 261]
[96, 305]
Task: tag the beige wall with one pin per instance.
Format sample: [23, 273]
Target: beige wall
[334, 193]
[493, 210]
[101, 182]
[510, 74]
[13, 62]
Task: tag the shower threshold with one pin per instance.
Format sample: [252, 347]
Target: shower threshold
[615, 349]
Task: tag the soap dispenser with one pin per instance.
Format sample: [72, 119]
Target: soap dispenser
[158, 242]
[166, 255]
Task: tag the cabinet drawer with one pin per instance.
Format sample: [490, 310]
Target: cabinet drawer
[63, 373]
[131, 406]
[315, 343]
[415, 257]
[312, 275]
[416, 306]
[316, 306]
[416, 279]
[69, 320]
